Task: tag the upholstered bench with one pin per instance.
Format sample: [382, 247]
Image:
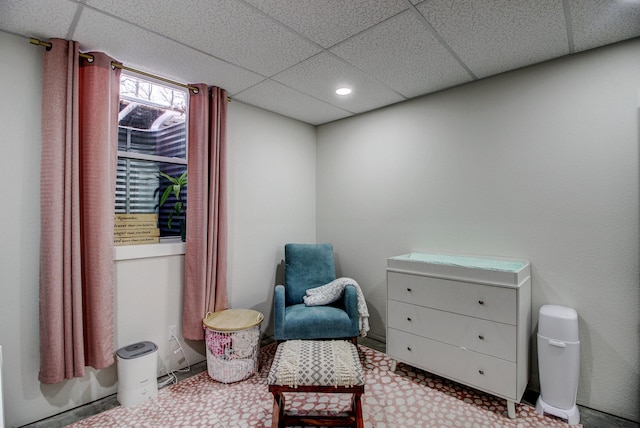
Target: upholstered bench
[326, 367]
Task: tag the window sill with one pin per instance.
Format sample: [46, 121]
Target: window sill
[167, 247]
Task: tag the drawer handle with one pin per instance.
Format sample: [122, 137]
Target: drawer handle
[408, 318]
[481, 302]
[408, 348]
[481, 372]
[481, 337]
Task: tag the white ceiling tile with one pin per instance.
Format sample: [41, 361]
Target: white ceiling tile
[149, 52]
[493, 36]
[403, 54]
[328, 22]
[600, 22]
[321, 75]
[227, 29]
[273, 96]
[375, 46]
[35, 18]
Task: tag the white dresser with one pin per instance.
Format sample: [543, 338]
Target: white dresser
[466, 318]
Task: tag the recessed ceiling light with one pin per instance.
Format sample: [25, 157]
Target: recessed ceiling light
[343, 91]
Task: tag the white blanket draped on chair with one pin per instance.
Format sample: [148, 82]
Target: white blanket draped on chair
[332, 291]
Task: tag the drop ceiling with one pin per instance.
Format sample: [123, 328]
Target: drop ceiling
[289, 56]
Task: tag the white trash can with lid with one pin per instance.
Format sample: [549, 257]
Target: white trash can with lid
[558, 362]
[137, 373]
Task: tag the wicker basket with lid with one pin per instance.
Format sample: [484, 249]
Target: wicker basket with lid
[232, 339]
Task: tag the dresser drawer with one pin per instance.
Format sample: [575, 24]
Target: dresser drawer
[475, 300]
[481, 371]
[488, 337]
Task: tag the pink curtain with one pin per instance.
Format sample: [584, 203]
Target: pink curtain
[205, 282]
[77, 182]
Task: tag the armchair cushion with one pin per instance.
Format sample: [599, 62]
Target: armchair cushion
[307, 266]
[335, 321]
[318, 322]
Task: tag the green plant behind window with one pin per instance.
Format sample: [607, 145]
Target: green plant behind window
[175, 188]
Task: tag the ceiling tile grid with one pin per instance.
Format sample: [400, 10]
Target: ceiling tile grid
[227, 29]
[34, 18]
[289, 56]
[151, 53]
[278, 98]
[493, 36]
[322, 74]
[403, 54]
[328, 22]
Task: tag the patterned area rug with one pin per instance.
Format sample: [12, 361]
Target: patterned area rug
[407, 398]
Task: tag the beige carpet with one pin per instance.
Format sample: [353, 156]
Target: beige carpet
[407, 398]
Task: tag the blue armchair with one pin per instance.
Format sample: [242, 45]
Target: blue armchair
[308, 266]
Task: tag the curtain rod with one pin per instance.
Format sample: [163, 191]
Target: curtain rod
[88, 57]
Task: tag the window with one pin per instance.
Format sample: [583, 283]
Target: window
[152, 145]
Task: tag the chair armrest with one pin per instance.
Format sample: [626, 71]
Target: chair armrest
[351, 302]
[278, 312]
[351, 307]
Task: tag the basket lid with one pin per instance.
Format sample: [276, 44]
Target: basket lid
[232, 319]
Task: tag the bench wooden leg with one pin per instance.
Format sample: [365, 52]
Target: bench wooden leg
[354, 418]
[277, 419]
[357, 410]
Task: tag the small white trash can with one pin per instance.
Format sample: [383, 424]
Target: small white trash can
[137, 373]
[558, 362]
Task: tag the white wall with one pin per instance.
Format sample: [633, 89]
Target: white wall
[540, 163]
[148, 301]
[272, 193]
[271, 201]
[20, 73]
